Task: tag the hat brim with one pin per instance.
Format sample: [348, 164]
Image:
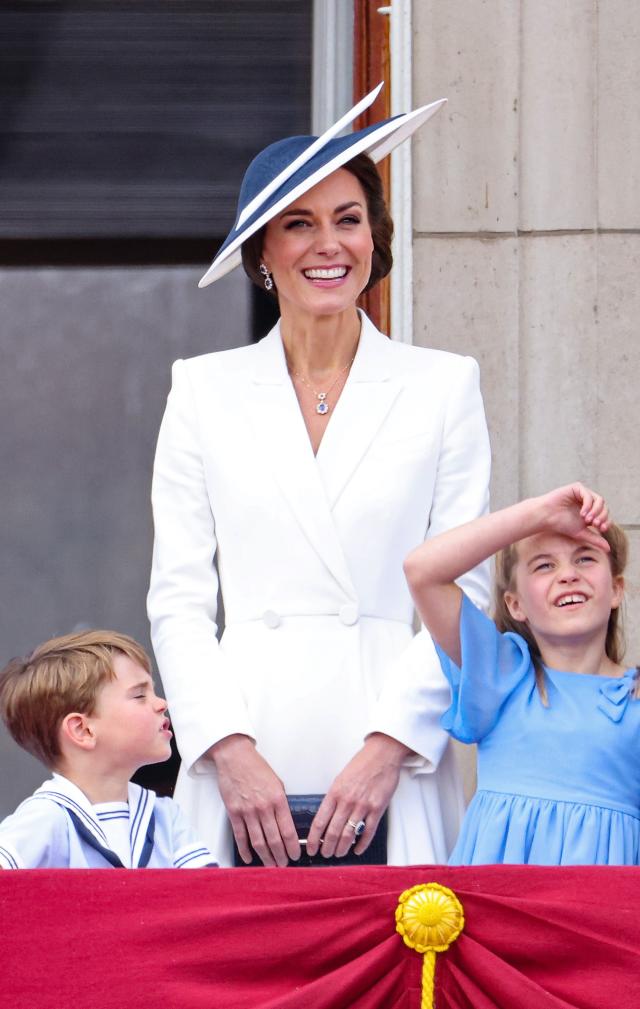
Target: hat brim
[376, 142]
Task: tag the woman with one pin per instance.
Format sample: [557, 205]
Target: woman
[307, 466]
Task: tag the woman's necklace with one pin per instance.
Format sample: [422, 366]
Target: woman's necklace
[322, 407]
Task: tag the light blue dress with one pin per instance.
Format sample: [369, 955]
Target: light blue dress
[557, 785]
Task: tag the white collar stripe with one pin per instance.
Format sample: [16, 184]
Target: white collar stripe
[8, 856]
[189, 856]
[63, 800]
[138, 817]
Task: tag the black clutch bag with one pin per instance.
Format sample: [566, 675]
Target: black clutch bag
[303, 809]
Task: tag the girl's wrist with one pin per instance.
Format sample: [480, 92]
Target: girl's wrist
[536, 512]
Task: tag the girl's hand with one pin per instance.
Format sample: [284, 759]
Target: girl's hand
[577, 512]
[256, 802]
[361, 792]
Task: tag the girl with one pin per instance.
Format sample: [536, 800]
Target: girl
[543, 694]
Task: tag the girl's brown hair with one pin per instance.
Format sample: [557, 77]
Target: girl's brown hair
[380, 223]
[505, 581]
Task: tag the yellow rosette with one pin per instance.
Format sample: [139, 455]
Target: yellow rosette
[429, 918]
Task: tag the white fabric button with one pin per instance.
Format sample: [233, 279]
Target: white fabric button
[349, 614]
[271, 619]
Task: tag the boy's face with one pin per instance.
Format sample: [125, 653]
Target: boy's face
[130, 719]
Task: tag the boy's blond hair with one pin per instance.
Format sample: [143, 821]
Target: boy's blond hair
[60, 676]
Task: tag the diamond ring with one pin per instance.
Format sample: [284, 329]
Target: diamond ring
[358, 828]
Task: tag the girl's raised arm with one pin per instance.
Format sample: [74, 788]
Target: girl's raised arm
[432, 568]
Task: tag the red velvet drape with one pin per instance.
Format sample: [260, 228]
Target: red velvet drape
[315, 939]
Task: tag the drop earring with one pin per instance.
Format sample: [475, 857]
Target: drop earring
[268, 282]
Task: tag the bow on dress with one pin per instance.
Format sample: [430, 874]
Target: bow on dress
[615, 694]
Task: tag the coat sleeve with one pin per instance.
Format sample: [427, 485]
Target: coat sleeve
[417, 693]
[204, 700]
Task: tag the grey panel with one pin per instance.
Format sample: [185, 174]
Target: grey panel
[86, 361]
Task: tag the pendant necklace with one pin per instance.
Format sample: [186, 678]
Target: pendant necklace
[322, 407]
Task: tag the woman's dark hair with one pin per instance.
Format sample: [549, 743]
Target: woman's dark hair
[380, 223]
[505, 581]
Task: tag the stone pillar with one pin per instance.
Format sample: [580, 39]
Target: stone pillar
[527, 236]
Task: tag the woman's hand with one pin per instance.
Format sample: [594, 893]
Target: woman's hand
[255, 800]
[362, 791]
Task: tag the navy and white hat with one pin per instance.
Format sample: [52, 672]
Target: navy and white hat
[285, 170]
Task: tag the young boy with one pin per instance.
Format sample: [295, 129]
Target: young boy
[84, 704]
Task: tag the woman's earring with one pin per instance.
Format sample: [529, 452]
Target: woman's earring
[268, 283]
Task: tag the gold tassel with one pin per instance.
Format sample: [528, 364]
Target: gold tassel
[429, 918]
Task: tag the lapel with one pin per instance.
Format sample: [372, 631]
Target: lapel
[366, 399]
[312, 485]
[284, 443]
[141, 803]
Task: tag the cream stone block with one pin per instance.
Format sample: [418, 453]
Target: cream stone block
[559, 365]
[466, 292]
[466, 755]
[465, 169]
[618, 374]
[557, 148]
[619, 114]
[632, 600]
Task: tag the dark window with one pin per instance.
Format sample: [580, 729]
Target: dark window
[136, 119]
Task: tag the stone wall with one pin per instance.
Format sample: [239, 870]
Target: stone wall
[527, 236]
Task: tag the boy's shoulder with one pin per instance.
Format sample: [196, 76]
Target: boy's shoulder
[35, 835]
[41, 804]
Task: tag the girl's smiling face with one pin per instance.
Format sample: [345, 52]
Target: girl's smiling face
[319, 249]
[564, 589]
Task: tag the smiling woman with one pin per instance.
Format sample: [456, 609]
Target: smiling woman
[319, 252]
[379, 220]
[340, 450]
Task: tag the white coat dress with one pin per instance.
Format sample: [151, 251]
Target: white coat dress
[318, 647]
